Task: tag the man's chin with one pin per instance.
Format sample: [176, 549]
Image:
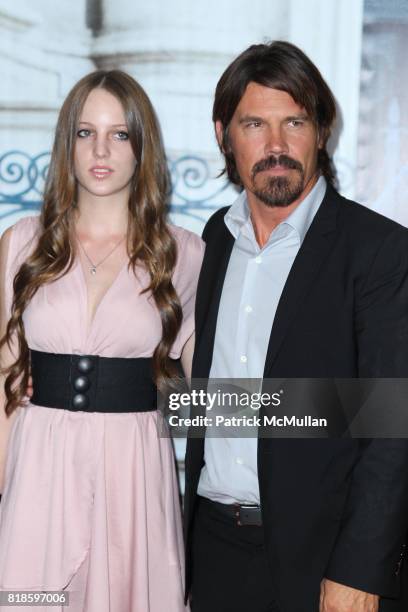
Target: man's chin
[278, 198]
[280, 192]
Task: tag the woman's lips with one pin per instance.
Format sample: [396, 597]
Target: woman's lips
[101, 172]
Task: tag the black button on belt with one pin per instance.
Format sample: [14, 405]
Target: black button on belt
[82, 380]
[80, 401]
[85, 365]
[81, 383]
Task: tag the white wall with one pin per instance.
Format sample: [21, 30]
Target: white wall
[44, 49]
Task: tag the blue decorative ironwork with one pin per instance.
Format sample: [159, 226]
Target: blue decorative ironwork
[22, 179]
[194, 191]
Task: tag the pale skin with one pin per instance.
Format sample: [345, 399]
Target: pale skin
[104, 167]
[268, 122]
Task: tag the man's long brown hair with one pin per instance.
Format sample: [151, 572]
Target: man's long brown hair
[282, 66]
[150, 243]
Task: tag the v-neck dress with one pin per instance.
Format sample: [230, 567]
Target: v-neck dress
[91, 503]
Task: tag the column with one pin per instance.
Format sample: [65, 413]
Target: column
[331, 34]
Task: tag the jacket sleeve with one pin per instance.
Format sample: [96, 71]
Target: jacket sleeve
[370, 546]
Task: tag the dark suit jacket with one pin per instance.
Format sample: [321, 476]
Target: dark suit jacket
[331, 507]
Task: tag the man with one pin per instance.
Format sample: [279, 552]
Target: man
[296, 282]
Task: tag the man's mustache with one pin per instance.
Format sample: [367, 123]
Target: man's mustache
[272, 161]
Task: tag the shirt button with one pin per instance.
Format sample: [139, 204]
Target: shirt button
[239, 461]
[248, 308]
[258, 259]
[243, 359]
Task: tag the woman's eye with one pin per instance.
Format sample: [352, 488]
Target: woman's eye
[83, 133]
[122, 135]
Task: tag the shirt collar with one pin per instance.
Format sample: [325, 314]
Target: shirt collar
[300, 219]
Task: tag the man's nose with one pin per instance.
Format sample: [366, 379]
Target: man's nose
[276, 142]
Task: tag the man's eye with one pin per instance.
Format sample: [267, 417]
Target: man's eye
[122, 135]
[83, 133]
[295, 122]
[253, 124]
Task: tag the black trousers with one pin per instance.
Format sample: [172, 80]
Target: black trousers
[230, 570]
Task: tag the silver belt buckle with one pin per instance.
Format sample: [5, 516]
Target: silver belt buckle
[249, 515]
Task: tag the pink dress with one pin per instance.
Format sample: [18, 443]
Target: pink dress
[91, 502]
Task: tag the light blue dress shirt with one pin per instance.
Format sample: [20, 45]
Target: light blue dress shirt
[253, 285]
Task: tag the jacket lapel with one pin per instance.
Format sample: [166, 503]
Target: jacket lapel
[311, 256]
[209, 292]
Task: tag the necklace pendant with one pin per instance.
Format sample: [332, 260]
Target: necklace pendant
[93, 270]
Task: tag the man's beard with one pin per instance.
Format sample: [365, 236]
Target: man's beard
[279, 190]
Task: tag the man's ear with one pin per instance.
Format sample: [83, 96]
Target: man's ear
[321, 137]
[219, 133]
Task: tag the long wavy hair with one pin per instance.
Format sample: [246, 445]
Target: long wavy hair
[150, 242]
[280, 65]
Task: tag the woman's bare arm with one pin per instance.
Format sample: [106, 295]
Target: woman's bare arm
[5, 355]
[187, 357]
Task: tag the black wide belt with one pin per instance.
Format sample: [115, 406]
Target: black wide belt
[240, 514]
[92, 384]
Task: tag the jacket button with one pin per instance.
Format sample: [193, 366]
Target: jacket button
[80, 401]
[85, 365]
[81, 383]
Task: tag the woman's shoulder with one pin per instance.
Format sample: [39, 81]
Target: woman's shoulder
[20, 236]
[28, 224]
[190, 252]
[188, 242]
[26, 227]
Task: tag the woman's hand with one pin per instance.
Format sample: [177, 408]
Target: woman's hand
[29, 390]
[187, 357]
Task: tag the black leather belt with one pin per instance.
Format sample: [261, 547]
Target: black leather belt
[240, 514]
[93, 384]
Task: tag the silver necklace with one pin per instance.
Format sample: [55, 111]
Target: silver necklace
[95, 266]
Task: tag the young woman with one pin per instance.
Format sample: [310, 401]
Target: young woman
[98, 297]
